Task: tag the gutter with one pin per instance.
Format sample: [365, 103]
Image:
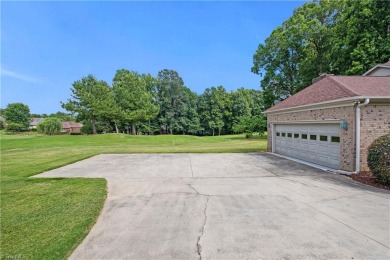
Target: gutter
[357, 139]
[325, 104]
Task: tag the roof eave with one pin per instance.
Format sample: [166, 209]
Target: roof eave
[326, 104]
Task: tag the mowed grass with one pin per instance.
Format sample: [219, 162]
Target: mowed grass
[48, 218]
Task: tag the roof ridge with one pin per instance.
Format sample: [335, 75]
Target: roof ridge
[342, 86]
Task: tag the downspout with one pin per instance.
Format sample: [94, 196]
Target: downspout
[273, 139]
[357, 130]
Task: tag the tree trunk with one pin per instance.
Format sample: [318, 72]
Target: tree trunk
[116, 128]
[213, 131]
[94, 126]
[219, 131]
[133, 130]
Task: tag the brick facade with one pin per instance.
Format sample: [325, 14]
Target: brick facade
[347, 137]
[374, 122]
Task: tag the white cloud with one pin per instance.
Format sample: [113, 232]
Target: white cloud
[16, 75]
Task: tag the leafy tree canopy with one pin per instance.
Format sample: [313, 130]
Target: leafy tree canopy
[18, 113]
[343, 37]
[132, 97]
[49, 126]
[91, 98]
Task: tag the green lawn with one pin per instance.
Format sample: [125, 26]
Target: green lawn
[48, 218]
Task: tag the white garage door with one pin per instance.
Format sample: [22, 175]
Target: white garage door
[315, 143]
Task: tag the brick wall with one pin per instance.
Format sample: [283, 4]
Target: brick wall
[374, 122]
[347, 137]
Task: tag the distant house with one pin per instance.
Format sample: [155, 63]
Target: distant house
[4, 122]
[71, 127]
[380, 70]
[34, 122]
[332, 122]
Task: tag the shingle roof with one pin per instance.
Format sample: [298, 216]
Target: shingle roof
[35, 121]
[65, 125]
[70, 124]
[73, 124]
[337, 87]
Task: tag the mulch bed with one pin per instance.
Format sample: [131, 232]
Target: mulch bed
[368, 179]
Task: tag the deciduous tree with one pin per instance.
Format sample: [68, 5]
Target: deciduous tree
[173, 100]
[362, 36]
[18, 113]
[134, 100]
[91, 98]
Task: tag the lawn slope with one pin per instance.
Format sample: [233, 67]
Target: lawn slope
[48, 218]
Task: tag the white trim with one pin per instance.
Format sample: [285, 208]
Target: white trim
[325, 121]
[296, 109]
[343, 102]
[374, 68]
[273, 136]
[324, 168]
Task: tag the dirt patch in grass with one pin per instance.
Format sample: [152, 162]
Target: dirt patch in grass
[368, 179]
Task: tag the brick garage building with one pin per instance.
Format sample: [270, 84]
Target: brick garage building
[71, 127]
[332, 122]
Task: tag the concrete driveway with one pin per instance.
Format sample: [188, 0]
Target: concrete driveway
[226, 206]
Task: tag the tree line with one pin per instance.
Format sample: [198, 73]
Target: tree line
[342, 37]
[142, 104]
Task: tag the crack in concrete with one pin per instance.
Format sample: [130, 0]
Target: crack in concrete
[199, 247]
[197, 192]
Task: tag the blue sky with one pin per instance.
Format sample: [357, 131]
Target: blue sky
[46, 46]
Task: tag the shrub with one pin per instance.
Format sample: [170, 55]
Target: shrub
[86, 129]
[378, 159]
[49, 126]
[14, 127]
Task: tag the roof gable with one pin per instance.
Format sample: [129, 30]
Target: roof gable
[35, 121]
[337, 87]
[385, 67]
[65, 125]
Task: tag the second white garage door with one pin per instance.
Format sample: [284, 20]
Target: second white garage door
[315, 143]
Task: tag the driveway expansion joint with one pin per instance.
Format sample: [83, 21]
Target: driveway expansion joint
[346, 225]
[340, 197]
[192, 171]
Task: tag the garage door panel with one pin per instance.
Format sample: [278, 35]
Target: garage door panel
[316, 151]
[335, 150]
[324, 149]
